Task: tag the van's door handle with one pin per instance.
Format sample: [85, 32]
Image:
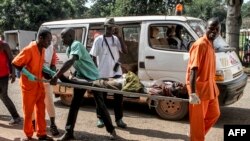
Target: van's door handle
[150, 57]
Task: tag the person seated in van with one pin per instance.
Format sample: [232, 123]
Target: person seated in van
[178, 33]
[155, 41]
[173, 41]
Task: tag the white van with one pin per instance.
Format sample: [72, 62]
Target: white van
[18, 39]
[156, 57]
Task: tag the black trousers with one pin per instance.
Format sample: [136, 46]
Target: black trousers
[118, 104]
[76, 103]
[5, 98]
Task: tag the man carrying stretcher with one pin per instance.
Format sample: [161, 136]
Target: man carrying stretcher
[85, 68]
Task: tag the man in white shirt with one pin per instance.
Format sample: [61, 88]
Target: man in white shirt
[50, 61]
[105, 52]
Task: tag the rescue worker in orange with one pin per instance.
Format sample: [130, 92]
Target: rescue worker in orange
[200, 79]
[179, 9]
[30, 61]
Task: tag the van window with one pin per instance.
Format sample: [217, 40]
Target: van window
[169, 37]
[57, 41]
[93, 33]
[12, 39]
[131, 33]
[198, 26]
[131, 37]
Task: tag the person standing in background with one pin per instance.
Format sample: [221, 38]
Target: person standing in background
[7, 71]
[179, 9]
[50, 62]
[105, 52]
[204, 108]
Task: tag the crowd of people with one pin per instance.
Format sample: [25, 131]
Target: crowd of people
[37, 61]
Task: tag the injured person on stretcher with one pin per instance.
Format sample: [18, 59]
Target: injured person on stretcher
[130, 82]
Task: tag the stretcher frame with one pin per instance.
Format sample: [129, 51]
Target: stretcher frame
[124, 93]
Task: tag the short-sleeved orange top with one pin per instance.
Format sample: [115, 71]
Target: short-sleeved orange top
[179, 7]
[202, 56]
[32, 60]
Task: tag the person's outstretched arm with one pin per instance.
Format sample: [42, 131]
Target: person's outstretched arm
[66, 66]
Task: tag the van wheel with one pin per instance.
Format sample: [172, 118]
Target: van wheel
[171, 110]
[66, 99]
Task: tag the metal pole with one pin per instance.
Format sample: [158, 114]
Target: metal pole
[124, 93]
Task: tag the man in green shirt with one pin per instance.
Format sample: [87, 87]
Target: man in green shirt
[85, 68]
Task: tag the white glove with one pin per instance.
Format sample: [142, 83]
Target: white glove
[194, 99]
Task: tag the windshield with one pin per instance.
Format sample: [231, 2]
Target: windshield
[219, 42]
[198, 26]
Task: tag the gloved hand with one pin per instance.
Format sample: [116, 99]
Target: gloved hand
[48, 71]
[30, 76]
[194, 99]
[53, 68]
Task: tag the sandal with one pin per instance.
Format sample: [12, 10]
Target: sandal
[53, 130]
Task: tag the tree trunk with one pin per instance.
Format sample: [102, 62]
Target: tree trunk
[233, 23]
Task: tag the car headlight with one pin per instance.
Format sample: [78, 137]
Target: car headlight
[219, 76]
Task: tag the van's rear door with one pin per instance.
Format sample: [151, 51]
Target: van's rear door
[80, 34]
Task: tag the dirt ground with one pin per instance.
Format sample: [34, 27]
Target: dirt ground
[143, 124]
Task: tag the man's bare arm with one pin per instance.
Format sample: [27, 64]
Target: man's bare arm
[66, 66]
[193, 76]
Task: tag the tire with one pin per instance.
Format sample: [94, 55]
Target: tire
[172, 110]
[66, 99]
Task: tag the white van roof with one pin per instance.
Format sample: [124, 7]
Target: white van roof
[121, 19]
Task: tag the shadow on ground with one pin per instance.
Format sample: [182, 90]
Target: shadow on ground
[6, 120]
[135, 108]
[233, 115]
[156, 134]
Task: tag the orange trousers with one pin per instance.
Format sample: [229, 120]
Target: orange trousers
[31, 100]
[202, 117]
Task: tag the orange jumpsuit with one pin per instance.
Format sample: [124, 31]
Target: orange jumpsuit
[203, 116]
[33, 92]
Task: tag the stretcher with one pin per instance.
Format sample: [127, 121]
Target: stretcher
[170, 108]
[124, 93]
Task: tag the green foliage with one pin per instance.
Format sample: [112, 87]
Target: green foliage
[206, 9]
[245, 10]
[104, 8]
[101, 8]
[30, 14]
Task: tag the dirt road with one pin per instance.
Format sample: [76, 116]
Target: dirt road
[143, 124]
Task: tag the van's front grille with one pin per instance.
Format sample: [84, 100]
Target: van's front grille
[237, 74]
